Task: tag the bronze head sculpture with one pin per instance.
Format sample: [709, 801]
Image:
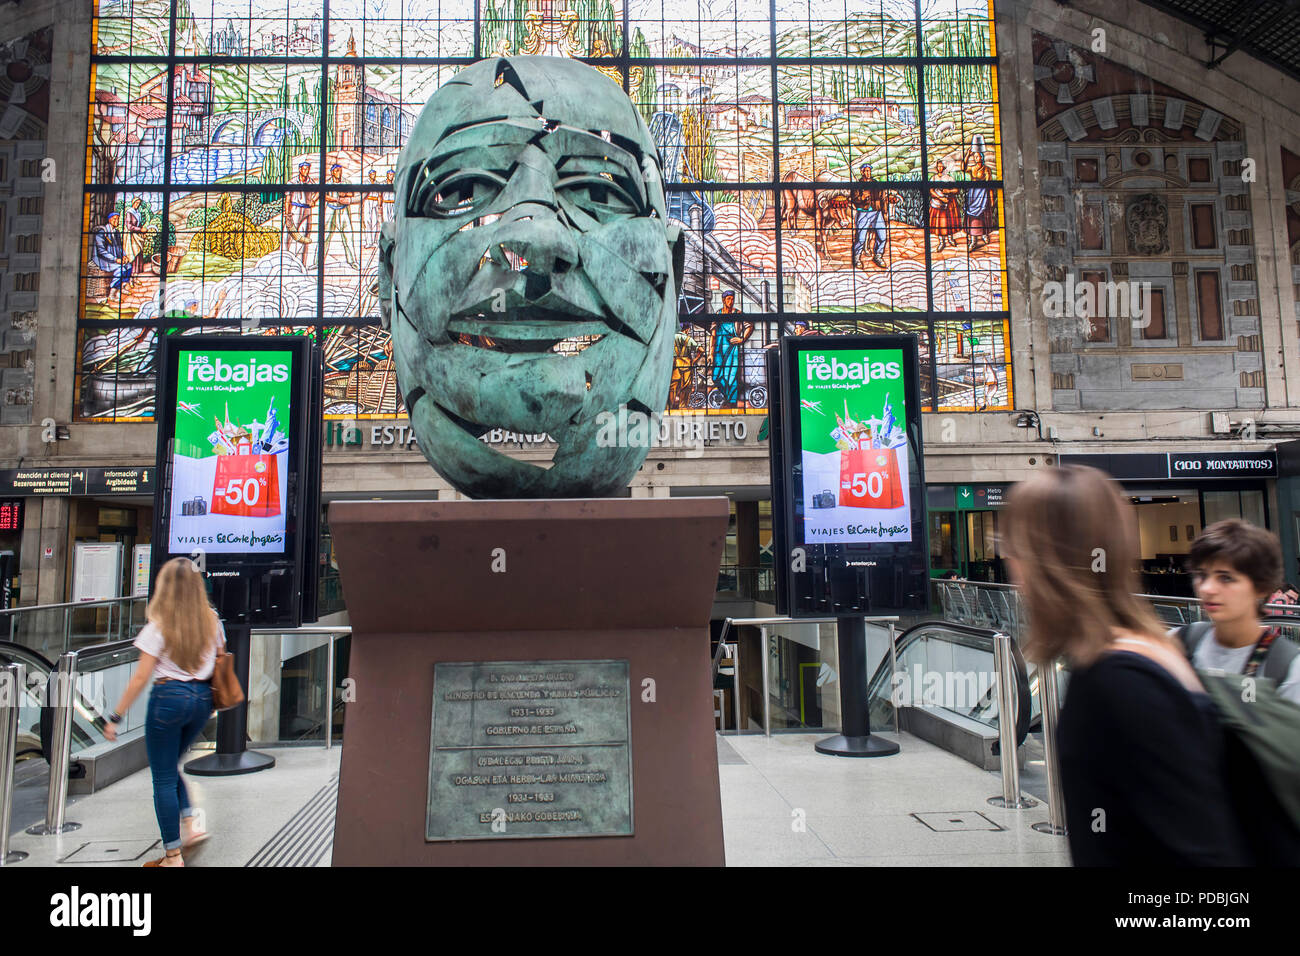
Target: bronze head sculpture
[530, 276]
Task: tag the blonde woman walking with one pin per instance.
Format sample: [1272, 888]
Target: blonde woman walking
[178, 649]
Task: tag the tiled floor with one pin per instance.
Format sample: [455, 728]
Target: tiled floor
[789, 805]
[783, 804]
[244, 814]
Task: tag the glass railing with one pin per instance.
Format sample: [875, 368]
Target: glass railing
[298, 685]
[977, 604]
[101, 675]
[297, 689]
[755, 584]
[329, 598]
[52, 629]
[998, 606]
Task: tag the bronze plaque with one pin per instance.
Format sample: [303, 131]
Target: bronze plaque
[524, 749]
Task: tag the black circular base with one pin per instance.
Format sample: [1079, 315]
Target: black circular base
[866, 746]
[225, 765]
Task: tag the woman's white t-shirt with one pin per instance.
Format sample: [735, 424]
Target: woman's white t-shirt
[151, 641]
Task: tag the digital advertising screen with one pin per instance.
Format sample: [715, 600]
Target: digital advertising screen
[848, 473]
[238, 468]
[230, 451]
[853, 446]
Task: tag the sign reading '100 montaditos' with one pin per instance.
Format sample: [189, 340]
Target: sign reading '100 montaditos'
[1160, 466]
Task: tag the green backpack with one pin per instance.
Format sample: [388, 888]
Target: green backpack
[1269, 728]
[1263, 731]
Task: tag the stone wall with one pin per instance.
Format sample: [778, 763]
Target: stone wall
[24, 120]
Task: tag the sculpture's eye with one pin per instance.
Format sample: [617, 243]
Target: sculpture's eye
[600, 197]
[459, 193]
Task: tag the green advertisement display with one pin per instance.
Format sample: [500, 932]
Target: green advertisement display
[230, 451]
[853, 446]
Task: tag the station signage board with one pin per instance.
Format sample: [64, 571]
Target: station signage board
[76, 480]
[1162, 466]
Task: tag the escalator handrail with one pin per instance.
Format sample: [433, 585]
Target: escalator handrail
[102, 650]
[12, 649]
[912, 634]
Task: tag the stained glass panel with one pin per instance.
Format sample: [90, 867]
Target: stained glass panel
[125, 248]
[132, 27]
[127, 138]
[238, 261]
[855, 189]
[260, 28]
[957, 28]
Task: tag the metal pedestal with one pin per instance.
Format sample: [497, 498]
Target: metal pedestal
[232, 756]
[856, 740]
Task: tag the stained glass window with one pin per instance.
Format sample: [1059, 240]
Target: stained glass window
[835, 166]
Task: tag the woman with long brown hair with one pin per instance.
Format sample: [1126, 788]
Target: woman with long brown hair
[178, 650]
[1139, 742]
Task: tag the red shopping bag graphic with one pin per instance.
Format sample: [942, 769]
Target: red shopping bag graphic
[247, 486]
[869, 479]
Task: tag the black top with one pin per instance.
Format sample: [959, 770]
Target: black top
[1142, 766]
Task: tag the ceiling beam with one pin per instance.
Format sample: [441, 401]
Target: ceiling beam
[1240, 38]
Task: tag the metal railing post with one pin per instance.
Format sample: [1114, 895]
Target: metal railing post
[735, 683]
[56, 802]
[767, 702]
[1050, 705]
[1004, 664]
[67, 629]
[893, 673]
[329, 693]
[12, 688]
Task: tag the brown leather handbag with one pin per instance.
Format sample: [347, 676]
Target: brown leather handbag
[226, 692]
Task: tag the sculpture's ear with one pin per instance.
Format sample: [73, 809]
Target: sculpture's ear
[384, 281]
[677, 246]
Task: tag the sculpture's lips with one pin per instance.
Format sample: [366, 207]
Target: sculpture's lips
[515, 331]
[531, 335]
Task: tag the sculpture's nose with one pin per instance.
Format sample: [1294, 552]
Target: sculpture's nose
[535, 244]
[538, 249]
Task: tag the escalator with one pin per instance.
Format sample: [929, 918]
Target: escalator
[946, 688]
[37, 671]
[36, 722]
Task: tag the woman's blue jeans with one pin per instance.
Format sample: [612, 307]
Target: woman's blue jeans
[177, 712]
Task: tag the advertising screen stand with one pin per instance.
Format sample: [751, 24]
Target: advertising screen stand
[235, 465]
[857, 739]
[231, 756]
[848, 499]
